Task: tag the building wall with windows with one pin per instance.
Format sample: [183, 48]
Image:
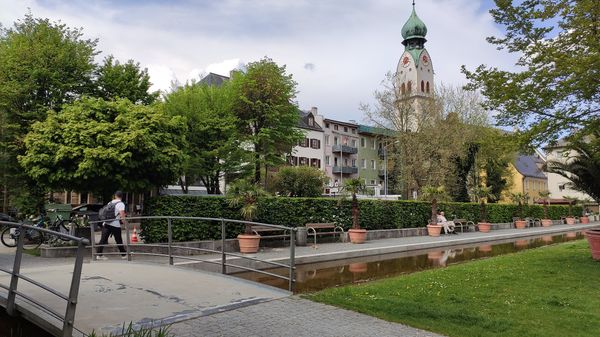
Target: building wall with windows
[557, 184]
[527, 178]
[341, 153]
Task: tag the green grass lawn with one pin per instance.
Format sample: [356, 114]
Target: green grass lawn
[549, 291]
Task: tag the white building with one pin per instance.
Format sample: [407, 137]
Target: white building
[310, 150]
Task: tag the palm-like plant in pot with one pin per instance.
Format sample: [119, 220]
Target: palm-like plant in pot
[433, 195]
[482, 193]
[355, 186]
[519, 198]
[245, 195]
[570, 219]
[546, 221]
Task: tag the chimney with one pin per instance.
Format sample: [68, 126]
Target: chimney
[314, 110]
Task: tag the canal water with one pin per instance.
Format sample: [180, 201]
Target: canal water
[18, 327]
[318, 276]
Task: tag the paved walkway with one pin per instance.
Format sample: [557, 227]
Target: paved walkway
[294, 317]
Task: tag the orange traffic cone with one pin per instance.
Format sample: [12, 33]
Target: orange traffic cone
[134, 238]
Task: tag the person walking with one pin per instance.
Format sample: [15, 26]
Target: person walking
[114, 227]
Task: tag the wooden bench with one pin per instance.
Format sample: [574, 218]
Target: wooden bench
[462, 223]
[257, 229]
[327, 225]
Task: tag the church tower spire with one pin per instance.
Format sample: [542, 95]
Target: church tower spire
[415, 71]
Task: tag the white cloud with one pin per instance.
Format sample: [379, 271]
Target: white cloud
[352, 42]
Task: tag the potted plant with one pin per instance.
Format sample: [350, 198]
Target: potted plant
[570, 219]
[546, 221]
[593, 237]
[356, 234]
[518, 198]
[481, 194]
[433, 195]
[584, 219]
[246, 195]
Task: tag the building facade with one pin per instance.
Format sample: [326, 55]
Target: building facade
[341, 153]
[309, 151]
[528, 177]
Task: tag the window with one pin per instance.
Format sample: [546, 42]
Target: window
[335, 127]
[373, 164]
[362, 142]
[304, 142]
[302, 161]
[353, 162]
[409, 87]
[335, 141]
[327, 140]
[345, 129]
[372, 182]
[374, 144]
[315, 143]
[311, 121]
[335, 161]
[363, 163]
[403, 89]
[327, 125]
[353, 142]
[422, 86]
[326, 160]
[346, 162]
[427, 87]
[353, 131]
[561, 187]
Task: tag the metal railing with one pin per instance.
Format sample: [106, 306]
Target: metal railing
[68, 318]
[224, 263]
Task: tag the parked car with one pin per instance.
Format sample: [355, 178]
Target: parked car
[89, 210]
[6, 217]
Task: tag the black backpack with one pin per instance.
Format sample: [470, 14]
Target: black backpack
[108, 211]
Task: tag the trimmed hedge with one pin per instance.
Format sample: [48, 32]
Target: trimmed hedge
[374, 214]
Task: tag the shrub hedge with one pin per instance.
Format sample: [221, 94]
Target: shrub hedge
[374, 214]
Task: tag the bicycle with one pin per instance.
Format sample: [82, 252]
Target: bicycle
[10, 235]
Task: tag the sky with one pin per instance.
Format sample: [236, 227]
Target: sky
[337, 50]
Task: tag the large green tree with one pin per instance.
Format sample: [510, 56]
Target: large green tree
[124, 80]
[43, 65]
[214, 148]
[100, 146]
[301, 181]
[556, 84]
[267, 114]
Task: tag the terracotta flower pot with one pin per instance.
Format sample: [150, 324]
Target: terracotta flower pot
[570, 220]
[522, 243]
[571, 235]
[248, 243]
[434, 230]
[484, 227]
[436, 255]
[485, 248]
[357, 235]
[593, 237]
[584, 219]
[547, 238]
[358, 267]
[546, 222]
[520, 224]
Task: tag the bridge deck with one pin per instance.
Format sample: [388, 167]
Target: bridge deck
[112, 293]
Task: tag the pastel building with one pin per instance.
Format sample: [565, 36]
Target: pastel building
[528, 177]
[309, 151]
[341, 152]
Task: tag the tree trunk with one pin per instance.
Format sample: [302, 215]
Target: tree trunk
[355, 212]
[433, 211]
[256, 166]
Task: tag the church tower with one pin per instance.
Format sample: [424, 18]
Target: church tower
[414, 74]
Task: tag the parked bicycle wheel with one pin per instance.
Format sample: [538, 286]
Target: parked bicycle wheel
[8, 239]
[33, 239]
[61, 226]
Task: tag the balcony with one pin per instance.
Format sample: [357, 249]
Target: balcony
[344, 170]
[344, 149]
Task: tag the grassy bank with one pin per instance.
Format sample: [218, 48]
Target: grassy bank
[550, 291]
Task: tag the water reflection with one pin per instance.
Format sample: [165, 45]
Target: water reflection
[313, 277]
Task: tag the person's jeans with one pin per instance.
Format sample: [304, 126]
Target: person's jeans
[107, 231]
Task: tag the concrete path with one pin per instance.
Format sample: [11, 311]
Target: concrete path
[112, 293]
[293, 317]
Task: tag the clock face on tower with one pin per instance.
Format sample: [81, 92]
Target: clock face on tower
[405, 61]
[425, 60]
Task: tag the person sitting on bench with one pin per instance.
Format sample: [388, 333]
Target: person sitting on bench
[448, 225]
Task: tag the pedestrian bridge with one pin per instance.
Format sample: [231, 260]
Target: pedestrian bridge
[113, 293]
[101, 296]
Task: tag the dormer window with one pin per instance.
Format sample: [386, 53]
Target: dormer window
[311, 121]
